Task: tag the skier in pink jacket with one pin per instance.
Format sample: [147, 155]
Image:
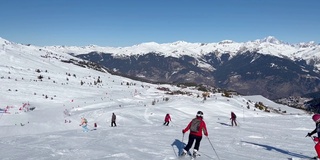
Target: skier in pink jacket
[167, 119]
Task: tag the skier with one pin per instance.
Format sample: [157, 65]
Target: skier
[316, 119]
[196, 126]
[84, 124]
[167, 119]
[113, 120]
[95, 126]
[233, 119]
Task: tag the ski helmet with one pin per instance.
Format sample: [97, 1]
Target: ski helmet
[200, 114]
[316, 118]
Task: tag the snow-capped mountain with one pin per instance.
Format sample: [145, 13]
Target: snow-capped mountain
[307, 51]
[269, 45]
[278, 68]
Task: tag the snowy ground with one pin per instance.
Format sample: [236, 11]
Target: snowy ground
[42, 134]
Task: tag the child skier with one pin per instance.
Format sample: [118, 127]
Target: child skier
[196, 126]
[84, 124]
[95, 126]
[316, 119]
[167, 119]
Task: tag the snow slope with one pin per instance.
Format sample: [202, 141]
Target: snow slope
[140, 135]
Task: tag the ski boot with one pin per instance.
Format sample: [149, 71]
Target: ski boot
[195, 153]
[184, 153]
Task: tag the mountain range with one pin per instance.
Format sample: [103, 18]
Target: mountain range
[267, 66]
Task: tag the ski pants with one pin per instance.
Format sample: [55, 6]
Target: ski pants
[233, 121]
[113, 123]
[191, 140]
[85, 128]
[166, 123]
[317, 146]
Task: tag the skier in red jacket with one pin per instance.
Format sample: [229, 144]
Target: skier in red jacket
[316, 119]
[167, 119]
[196, 126]
[233, 119]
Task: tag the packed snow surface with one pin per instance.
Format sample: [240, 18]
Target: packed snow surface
[40, 119]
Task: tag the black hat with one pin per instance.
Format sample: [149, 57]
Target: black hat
[199, 113]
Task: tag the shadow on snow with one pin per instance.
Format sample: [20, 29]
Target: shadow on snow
[269, 148]
[179, 144]
[225, 124]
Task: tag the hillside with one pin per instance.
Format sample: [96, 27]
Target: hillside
[43, 80]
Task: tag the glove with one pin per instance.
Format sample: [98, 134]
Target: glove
[308, 135]
[183, 131]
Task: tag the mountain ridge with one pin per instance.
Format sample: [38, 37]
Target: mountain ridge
[279, 69]
[307, 51]
[269, 45]
[230, 45]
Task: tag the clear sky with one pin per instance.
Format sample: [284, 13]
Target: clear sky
[119, 23]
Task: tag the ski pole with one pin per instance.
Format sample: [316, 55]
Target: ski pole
[182, 141]
[174, 151]
[313, 140]
[213, 148]
[238, 123]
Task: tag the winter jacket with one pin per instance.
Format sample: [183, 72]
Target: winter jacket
[202, 127]
[316, 130]
[233, 116]
[83, 122]
[167, 118]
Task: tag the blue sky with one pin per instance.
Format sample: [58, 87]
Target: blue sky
[119, 23]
